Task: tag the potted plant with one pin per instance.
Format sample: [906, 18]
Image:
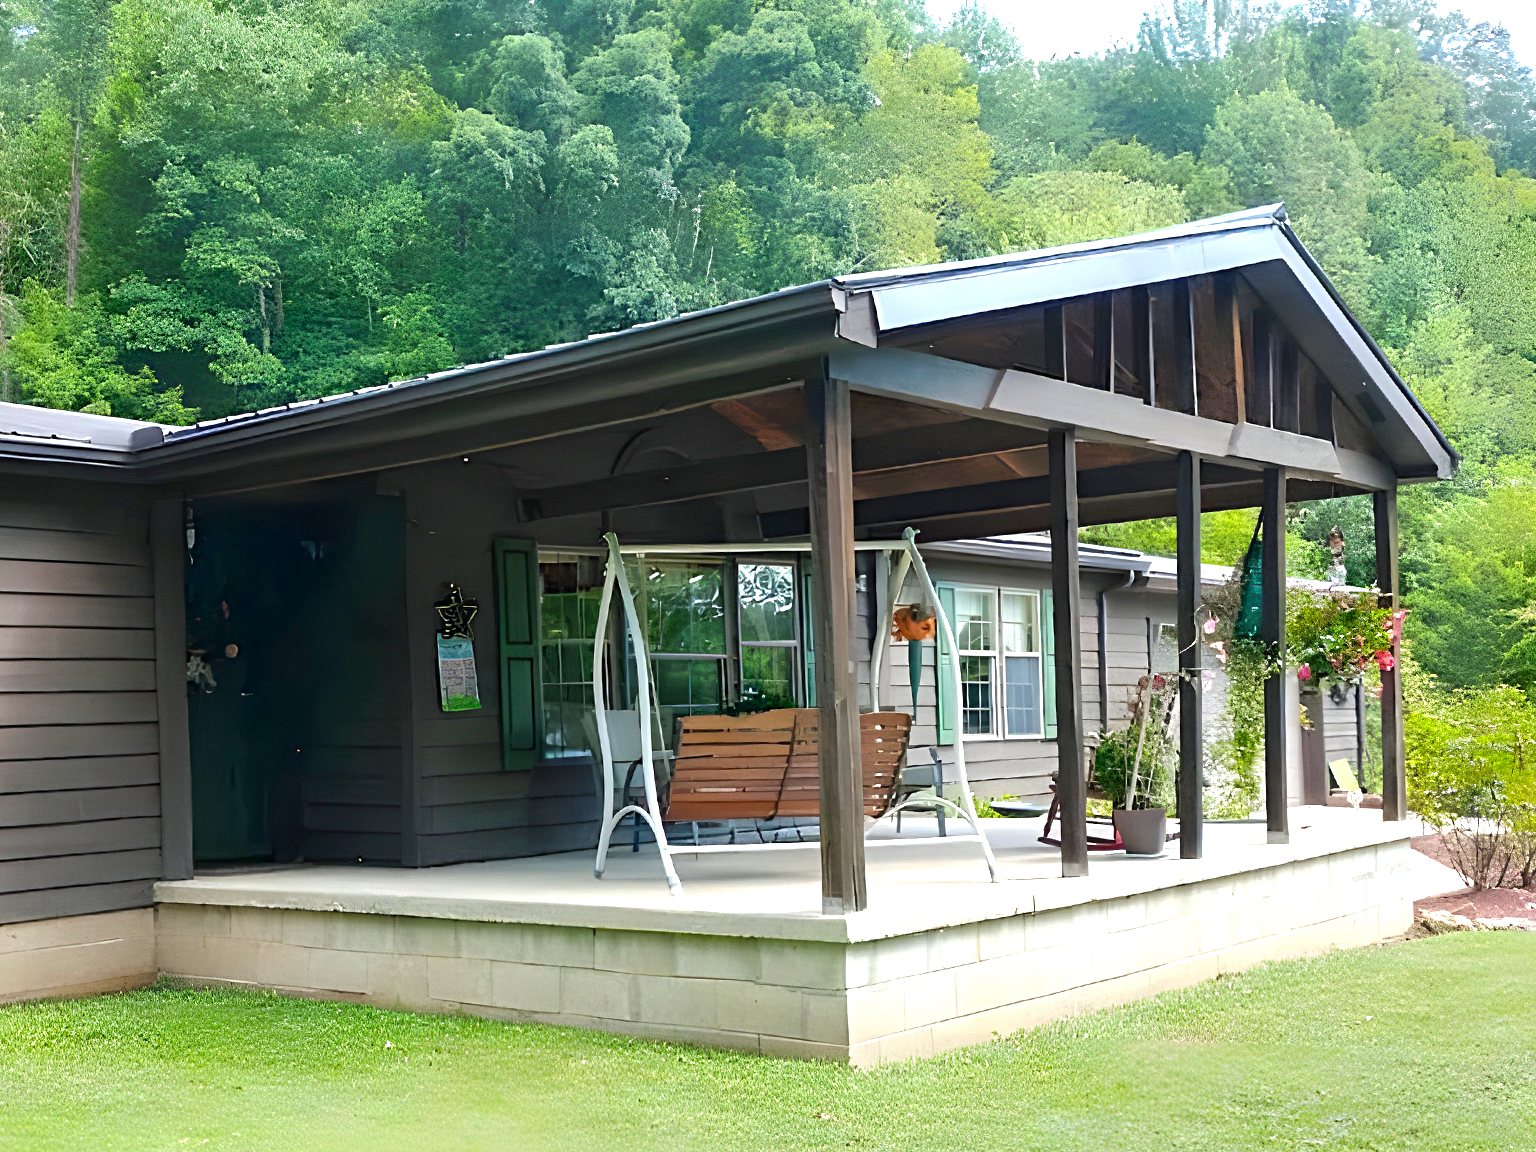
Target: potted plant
[1132, 769]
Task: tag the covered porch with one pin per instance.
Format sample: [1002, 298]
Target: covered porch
[1207, 367]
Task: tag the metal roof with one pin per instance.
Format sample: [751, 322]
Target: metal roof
[900, 298]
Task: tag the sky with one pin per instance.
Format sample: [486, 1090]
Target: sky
[1049, 28]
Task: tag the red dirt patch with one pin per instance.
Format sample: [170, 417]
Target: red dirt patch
[1489, 904]
[1500, 904]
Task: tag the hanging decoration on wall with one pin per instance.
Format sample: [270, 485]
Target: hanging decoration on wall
[457, 614]
[457, 680]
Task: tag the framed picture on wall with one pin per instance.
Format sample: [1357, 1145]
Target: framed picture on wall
[458, 684]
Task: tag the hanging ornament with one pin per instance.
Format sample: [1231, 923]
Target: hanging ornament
[457, 614]
[913, 622]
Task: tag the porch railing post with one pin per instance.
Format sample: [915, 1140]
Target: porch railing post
[1067, 612]
[1272, 634]
[1394, 784]
[1191, 788]
[829, 458]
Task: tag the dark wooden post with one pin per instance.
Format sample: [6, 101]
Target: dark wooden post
[1394, 785]
[168, 554]
[1191, 736]
[829, 455]
[1067, 612]
[1272, 633]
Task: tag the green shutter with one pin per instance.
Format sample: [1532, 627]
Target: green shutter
[1048, 661]
[518, 635]
[949, 703]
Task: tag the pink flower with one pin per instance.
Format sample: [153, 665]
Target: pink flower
[1395, 628]
[1385, 661]
[1209, 626]
[1304, 672]
[1158, 683]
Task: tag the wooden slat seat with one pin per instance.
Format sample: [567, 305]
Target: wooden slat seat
[767, 765]
[730, 767]
[883, 740]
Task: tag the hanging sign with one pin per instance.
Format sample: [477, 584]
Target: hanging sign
[457, 681]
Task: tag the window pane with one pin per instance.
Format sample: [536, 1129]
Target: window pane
[973, 620]
[685, 610]
[976, 695]
[1023, 695]
[1021, 622]
[685, 688]
[767, 596]
[570, 588]
[767, 676]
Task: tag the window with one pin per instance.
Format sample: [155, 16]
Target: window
[1001, 660]
[698, 664]
[683, 606]
[570, 589]
[975, 635]
[1021, 663]
[765, 597]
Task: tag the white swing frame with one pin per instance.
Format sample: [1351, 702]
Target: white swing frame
[615, 578]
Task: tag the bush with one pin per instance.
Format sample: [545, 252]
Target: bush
[1471, 767]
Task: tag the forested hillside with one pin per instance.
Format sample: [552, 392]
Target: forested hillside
[209, 207]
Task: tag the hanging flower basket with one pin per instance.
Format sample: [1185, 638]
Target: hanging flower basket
[1337, 635]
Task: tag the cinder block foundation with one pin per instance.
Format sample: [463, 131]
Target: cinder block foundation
[77, 955]
[845, 989]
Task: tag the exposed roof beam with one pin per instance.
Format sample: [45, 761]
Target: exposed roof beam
[1114, 483]
[927, 445]
[1040, 402]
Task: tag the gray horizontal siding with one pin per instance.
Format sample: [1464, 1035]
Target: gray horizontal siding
[78, 772]
[79, 743]
[19, 643]
[77, 676]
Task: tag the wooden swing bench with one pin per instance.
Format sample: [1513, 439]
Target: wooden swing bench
[767, 765]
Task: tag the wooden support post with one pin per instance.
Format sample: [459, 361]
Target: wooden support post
[1272, 634]
[1067, 611]
[1394, 784]
[168, 554]
[1191, 785]
[829, 454]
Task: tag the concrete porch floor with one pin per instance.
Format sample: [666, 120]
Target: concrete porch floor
[745, 959]
[916, 881]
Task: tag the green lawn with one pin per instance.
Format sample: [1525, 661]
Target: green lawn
[1426, 1045]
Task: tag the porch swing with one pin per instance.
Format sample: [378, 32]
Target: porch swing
[796, 784]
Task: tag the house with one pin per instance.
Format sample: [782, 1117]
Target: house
[227, 642]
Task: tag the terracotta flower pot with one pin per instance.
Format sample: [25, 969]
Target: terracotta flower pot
[1143, 831]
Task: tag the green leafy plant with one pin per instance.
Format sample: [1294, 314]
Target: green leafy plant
[1134, 766]
[1335, 635]
[1471, 764]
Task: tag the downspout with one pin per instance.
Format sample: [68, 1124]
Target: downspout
[1130, 578]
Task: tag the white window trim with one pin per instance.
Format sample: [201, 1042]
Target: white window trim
[1038, 654]
[999, 722]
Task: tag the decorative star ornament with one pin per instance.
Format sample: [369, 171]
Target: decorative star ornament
[457, 613]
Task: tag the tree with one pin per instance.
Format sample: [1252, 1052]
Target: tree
[1277, 147]
[75, 32]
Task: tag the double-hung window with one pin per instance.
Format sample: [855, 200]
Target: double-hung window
[1001, 661]
[1021, 664]
[976, 635]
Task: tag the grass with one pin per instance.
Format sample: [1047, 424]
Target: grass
[1424, 1045]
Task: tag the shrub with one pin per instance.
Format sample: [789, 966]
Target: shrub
[1471, 767]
